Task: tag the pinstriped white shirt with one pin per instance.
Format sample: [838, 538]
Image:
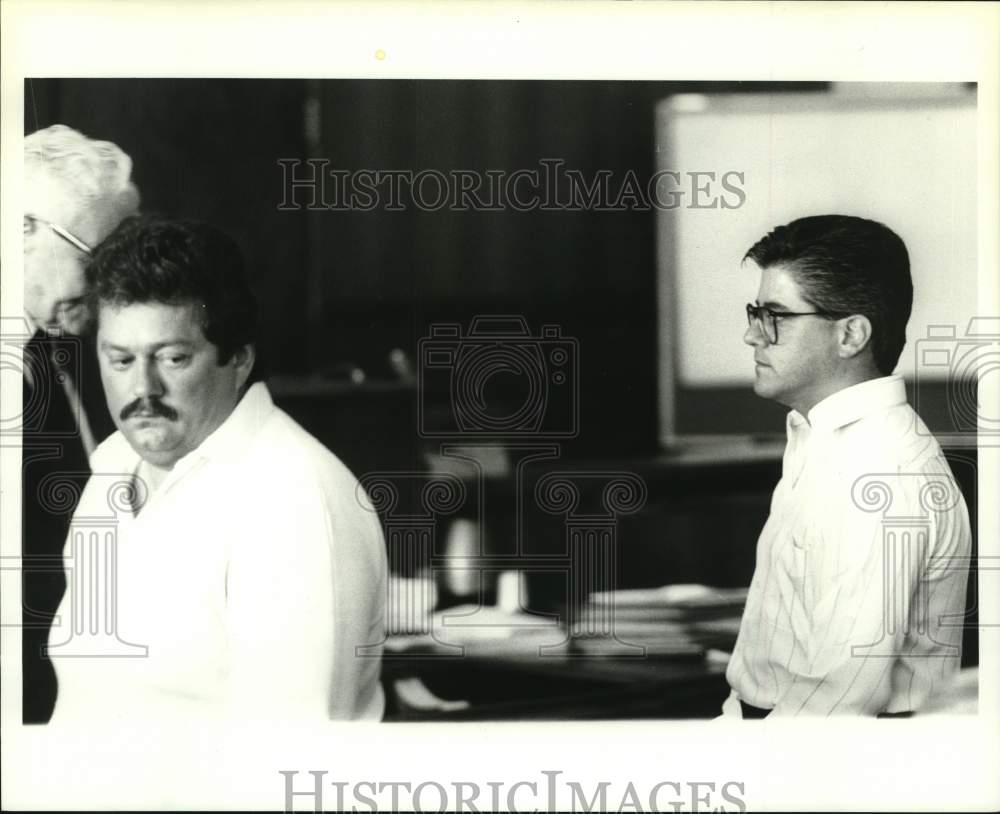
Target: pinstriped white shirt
[857, 599]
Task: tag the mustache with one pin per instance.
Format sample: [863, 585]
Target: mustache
[148, 408]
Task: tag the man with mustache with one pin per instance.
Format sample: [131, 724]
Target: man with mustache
[845, 614]
[76, 191]
[249, 568]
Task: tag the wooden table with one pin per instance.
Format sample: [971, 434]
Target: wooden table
[511, 682]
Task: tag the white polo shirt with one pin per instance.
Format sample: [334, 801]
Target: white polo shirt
[857, 599]
[251, 585]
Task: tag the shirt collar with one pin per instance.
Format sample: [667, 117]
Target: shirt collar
[852, 403]
[242, 424]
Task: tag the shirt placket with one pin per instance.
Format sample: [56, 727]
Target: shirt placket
[183, 470]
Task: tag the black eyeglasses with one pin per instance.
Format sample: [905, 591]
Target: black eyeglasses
[765, 319]
[31, 225]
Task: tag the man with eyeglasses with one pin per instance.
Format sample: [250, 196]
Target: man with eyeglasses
[846, 614]
[76, 192]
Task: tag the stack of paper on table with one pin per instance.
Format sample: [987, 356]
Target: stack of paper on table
[671, 620]
[484, 630]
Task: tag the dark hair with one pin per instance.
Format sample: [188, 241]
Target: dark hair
[150, 258]
[848, 265]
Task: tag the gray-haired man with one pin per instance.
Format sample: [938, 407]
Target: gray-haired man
[77, 190]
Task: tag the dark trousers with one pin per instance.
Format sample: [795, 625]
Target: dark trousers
[752, 712]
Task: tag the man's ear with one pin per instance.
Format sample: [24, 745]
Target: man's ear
[855, 335]
[243, 360]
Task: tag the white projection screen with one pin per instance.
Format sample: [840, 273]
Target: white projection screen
[902, 155]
